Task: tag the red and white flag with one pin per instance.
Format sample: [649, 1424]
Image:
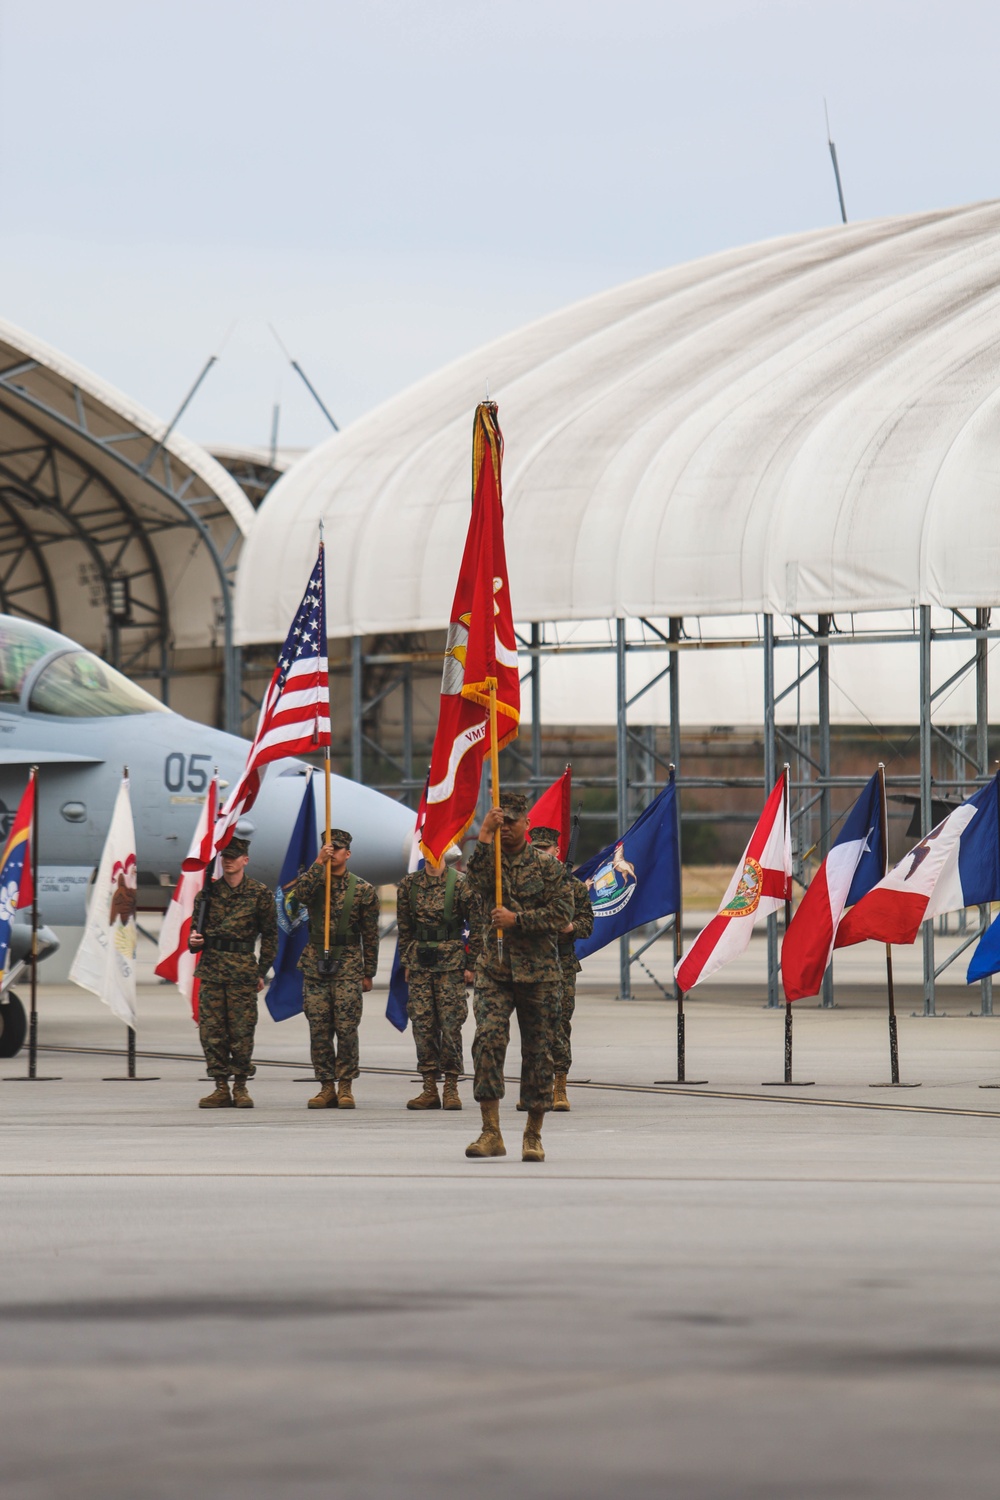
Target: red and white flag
[926, 882]
[553, 810]
[481, 653]
[761, 884]
[175, 962]
[295, 714]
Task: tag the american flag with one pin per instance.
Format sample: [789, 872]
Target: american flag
[295, 714]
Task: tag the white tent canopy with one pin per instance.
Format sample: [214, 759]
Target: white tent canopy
[807, 425]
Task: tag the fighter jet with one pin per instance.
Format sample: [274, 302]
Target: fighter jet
[65, 710]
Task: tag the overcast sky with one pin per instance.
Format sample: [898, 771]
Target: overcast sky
[392, 184]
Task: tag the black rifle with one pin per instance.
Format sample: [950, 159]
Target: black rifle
[574, 839]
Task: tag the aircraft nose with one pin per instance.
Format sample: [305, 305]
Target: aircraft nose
[381, 829]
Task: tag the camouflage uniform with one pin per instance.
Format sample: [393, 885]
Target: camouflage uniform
[227, 982]
[527, 978]
[583, 926]
[333, 1005]
[438, 1005]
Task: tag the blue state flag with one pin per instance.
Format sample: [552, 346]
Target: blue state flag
[284, 997]
[399, 994]
[636, 879]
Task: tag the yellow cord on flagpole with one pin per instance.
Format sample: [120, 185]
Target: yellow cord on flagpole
[495, 777]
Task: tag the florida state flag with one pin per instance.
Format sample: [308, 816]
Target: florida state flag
[481, 653]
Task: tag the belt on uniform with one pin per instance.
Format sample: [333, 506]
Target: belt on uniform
[228, 945]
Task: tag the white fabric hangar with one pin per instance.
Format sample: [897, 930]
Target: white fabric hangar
[790, 445]
[806, 425]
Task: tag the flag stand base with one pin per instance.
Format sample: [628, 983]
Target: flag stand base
[124, 1078]
[787, 1083]
[35, 1078]
[682, 1083]
[989, 1085]
[894, 1085]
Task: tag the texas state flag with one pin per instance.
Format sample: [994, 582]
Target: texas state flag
[957, 864]
[853, 866]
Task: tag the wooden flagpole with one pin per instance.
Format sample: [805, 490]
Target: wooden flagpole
[495, 779]
[327, 873]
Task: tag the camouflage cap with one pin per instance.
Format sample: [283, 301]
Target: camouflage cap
[514, 805]
[544, 838]
[340, 836]
[235, 848]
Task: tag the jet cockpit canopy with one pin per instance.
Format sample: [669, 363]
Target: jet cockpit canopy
[44, 672]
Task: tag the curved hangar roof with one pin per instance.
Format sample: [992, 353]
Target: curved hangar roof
[807, 425]
[92, 488]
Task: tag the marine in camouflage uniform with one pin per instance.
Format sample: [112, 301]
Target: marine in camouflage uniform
[581, 925]
[526, 976]
[333, 1003]
[239, 910]
[432, 952]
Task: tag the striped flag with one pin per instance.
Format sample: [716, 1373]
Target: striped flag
[295, 714]
[175, 961]
[761, 884]
[855, 863]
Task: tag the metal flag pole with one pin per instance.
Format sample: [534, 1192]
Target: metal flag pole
[890, 989]
[495, 778]
[788, 1082]
[678, 955]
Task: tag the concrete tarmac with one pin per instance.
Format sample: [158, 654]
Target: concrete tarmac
[724, 1292]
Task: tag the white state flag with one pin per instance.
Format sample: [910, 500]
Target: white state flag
[105, 959]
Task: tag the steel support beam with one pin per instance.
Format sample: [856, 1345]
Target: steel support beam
[926, 782]
[825, 812]
[357, 691]
[983, 766]
[770, 773]
[536, 711]
[621, 682]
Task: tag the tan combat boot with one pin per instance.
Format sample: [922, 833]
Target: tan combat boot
[559, 1100]
[241, 1098]
[219, 1098]
[531, 1147]
[345, 1096]
[452, 1100]
[428, 1096]
[490, 1142]
[326, 1098]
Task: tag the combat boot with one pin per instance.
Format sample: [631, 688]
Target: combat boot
[241, 1098]
[428, 1097]
[345, 1096]
[531, 1148]
[452, 1099]
[490, 1142]
[219, 1098]
[326, 1098]
[559, 1100]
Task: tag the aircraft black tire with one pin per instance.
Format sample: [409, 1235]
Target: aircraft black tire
[13, 1026]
